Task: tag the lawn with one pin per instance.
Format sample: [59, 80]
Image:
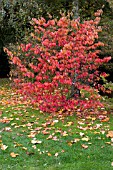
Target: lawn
[32, 140]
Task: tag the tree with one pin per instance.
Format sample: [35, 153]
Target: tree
[86, 11]
[18, 14]
[15, 17]
[57, 50]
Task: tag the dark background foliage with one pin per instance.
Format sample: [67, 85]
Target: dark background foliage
[15, 17]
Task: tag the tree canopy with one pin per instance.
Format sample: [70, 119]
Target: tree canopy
[15, 17]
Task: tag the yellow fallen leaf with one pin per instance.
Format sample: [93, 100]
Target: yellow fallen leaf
[13, 124]
[17, 144]
[93, 118]
[76, 140]
[85, 139]
[70, 143]
[4, 147]
[32, 135]
[69, 124]
[64, 133]
[13, 155]
[34, 141]
[52, 124]
[49, 154]
[95, 132]
[24, 148]
[109, 143]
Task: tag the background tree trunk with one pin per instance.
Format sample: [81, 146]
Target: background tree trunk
[74, 90]
[75, 8]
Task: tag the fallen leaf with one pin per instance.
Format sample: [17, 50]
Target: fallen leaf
[103, 132]
[34, 141]
[17, 144]
[84, 146]
[30, 153]
[5, 120]
[82, 128]
[13, 155]
[4, 147]
[101, 117]
[89, 143]
[58, 131]
[81, 134]
[70, 143]
[34, 146]
[55, 121]
[52, 124]
[80, 123]
[76, 140]
[49, 137]
[13, 124]
[95, 132]
[38, 128]
[8, 129]
[24, 148]
[93, 118]
[64, 133]
[109, 143]
[55, 138]
[102, 147]
[85, 139]
[104, 112]
[110, 134]
[45, 132]
[97, 126]
[105, 120]
[32, 135]
[49, 154]
[69, 124]
[56, 154]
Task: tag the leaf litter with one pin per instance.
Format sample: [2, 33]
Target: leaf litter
[19, 117]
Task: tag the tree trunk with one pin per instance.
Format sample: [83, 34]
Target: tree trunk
[75, 9]
[74, 90]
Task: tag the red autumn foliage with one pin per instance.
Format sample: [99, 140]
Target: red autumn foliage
[57, 51]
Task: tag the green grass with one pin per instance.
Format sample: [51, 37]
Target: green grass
[62, 151]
